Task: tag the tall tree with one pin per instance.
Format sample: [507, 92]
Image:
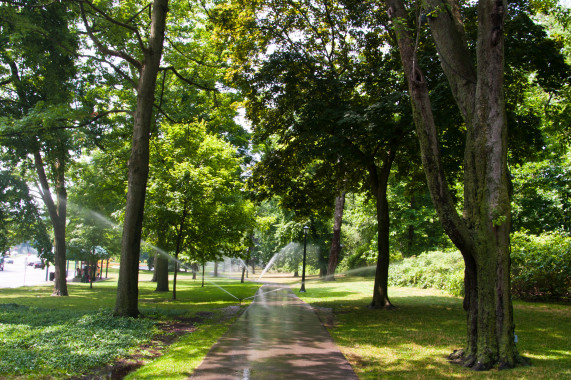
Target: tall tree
[195, 208]
[138, 43]
[482, 234]
[324, 94]
[36, 54]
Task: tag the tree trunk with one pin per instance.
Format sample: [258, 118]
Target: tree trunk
[162, 271]
[194, 270]
[126, 303]
[482, 236]
[379, 178]
[410, 237]
[243, 274]
[336, 240]
[161, 268]
[155, 258]
[57, 212]
[179, 241]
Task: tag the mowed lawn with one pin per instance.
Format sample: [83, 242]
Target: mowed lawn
[411, 341]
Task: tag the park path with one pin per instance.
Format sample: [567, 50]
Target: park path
[277, 337]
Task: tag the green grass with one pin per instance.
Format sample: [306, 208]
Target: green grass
[57, 337]
[70, 334]
[414, 340]
[183, 356]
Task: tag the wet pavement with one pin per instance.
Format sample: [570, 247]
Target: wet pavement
[278, 337]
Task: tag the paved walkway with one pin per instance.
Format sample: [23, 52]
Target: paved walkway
[278, 337]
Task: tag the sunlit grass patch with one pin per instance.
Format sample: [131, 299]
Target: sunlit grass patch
[413, 340]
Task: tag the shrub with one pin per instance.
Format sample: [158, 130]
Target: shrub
[439, 270]
[541, 266]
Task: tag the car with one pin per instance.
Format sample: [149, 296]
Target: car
[39, 264]
[9, 261]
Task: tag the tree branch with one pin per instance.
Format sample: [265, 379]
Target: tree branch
[457, 63]
[105, 50]
[96, 116]
[186, 80]
[158, 107]
[25, 4]
[201, 63]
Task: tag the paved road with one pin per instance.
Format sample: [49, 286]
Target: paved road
[278, 337]
[19, 274]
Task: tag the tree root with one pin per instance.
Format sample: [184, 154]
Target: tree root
[469, 361]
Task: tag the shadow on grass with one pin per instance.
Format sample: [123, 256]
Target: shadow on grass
[414, 339]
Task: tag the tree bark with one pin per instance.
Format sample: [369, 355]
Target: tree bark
[336, 240]
[57, 212]
[162, 270]
[179, 241]
[155, 258]
[194, 270]
[482, 235]
[410, 237]
[379, 178]
[127, 288]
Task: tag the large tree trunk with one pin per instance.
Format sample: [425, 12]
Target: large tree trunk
[482, 236]
[162, 269]
[336, 240]
[127, 288]
[57, 212]
[162, 272]
[194, 270]
[379, 178]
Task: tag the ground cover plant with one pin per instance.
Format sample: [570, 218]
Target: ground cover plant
[414, 340]
[43, 336]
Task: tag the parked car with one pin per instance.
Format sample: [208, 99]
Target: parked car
[39, 264]
[9, 261]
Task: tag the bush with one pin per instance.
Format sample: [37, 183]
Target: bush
[541, 266]
[438, 270]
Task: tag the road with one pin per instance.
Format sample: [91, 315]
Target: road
[19, 274]
[278, 337]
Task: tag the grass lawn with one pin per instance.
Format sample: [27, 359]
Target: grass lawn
[58, 337]
[43, 336]
[414, 340]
